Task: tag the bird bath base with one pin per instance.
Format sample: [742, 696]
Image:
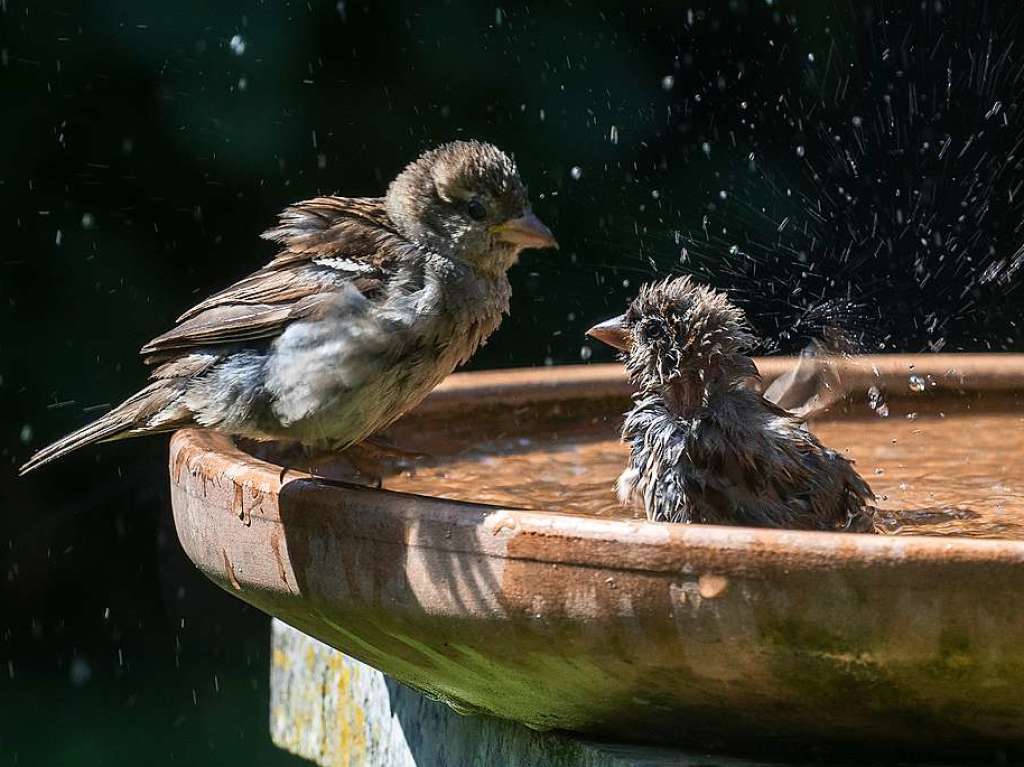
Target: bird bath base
[333, 710]
[623, 629]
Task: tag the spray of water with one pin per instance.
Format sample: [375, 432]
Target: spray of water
[896, 213]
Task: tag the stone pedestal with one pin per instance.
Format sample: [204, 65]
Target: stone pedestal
[338, 712]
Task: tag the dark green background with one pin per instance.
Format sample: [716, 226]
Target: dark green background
[142, 157]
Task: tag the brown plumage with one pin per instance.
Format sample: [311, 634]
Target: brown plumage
[314, 234]
[705, 446]
[370, 303]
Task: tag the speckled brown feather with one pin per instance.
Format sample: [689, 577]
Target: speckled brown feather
[291, 287]
[312, 227]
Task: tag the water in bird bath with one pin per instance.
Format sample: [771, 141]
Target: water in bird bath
[954, 472]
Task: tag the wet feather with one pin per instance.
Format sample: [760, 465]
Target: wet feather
[705, 445]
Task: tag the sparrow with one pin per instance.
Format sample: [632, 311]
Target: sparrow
[368, 305]
[705, 445]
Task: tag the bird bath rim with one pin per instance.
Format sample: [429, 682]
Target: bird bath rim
[958, 373]
[747, 548]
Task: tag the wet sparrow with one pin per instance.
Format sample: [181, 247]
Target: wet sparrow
[370, 303]
[705, 446]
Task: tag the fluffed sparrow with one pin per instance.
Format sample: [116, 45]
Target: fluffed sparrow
[705, 446]
[370, 303]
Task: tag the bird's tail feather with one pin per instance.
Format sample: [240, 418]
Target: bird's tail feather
[132, 417]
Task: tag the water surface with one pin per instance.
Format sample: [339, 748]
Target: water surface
[957, 473]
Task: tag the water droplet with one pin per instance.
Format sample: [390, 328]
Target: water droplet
[722, 194]
[586, 353]
[576, 172]
[810, 57]
[237, 45]
[800, 151]
[857, 121]
[668, 82]
[88, 221]
[876, 402]
[916, 383]
[733, 250]
[26, 434]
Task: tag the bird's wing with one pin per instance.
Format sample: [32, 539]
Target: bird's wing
[811, 387]
[328, 243]
[229, 324]
[775, 474]
[313, 228]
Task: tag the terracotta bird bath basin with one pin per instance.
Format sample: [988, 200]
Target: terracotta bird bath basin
[546, 606]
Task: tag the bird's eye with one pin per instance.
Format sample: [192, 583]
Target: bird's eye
[651, 331]
[476, 210]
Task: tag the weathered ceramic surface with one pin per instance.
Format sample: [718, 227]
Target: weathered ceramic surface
[627, 630]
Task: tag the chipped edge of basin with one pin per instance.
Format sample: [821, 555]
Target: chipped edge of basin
[385, 576]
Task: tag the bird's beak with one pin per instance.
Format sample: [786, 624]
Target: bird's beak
[613, 332]
[527, 231]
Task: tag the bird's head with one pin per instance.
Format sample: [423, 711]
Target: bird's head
[677, 328]
[465, 200]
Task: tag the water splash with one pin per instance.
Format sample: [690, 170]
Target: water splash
[906, 198]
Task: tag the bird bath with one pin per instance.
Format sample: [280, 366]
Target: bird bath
[550, 607]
